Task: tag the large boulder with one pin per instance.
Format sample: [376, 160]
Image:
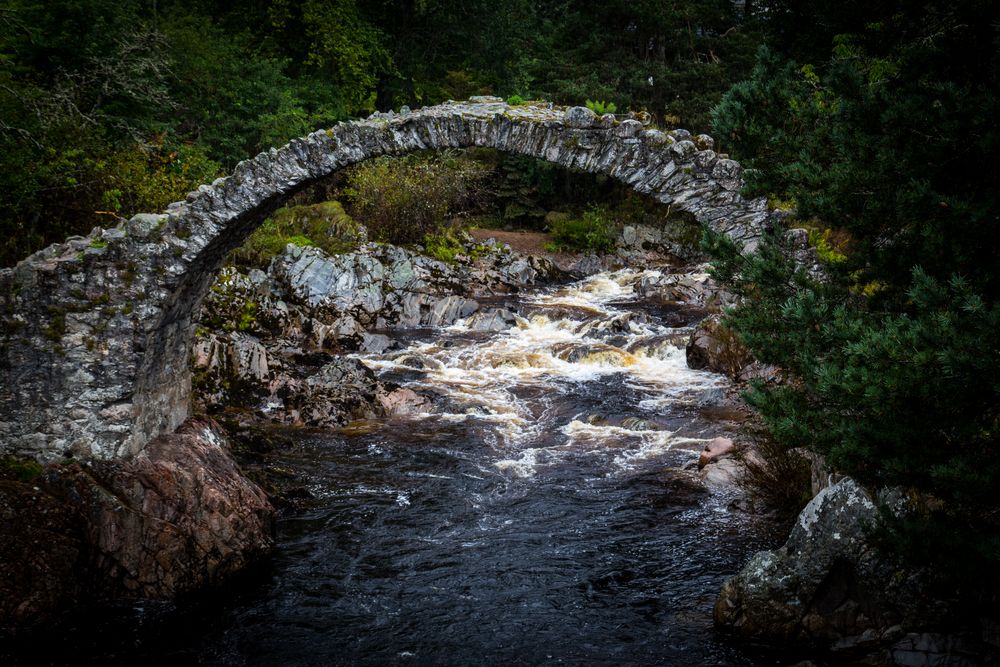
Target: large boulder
[349, 283]
[403, 401]
[342, 390]
[715, 347]
[639, 244]
[414, 309]
[831, 586]
[819, 585]
[829, 582]
[233, 355]
[178, 517]
[695, 289]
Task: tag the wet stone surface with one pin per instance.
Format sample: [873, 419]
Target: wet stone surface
[540, 506]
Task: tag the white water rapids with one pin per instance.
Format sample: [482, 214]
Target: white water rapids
[538, 508]
[518, 380]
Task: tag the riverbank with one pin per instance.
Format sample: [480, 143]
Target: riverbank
[341, 381]
[538, 433]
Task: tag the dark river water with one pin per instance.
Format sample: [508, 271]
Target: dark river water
[543, 510]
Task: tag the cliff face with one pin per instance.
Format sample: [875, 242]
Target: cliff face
[178, 517]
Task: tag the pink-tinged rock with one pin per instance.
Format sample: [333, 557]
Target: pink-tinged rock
[180, 516]
[177, 517]
[404, 402]
[715, 449]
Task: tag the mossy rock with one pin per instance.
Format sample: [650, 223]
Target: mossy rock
[324, 225]
[22, 470]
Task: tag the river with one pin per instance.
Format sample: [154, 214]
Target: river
[543, 510]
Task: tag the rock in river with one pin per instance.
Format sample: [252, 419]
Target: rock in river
[829, 584]
[177, 517]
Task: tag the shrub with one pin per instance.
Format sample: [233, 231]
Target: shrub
[403, 199]
[515, 100]
[324, 225]
[601, 107]
[22, 470]
[442, 246]
[779, 477]
[827, 248]
[147, 178]
[593, 232]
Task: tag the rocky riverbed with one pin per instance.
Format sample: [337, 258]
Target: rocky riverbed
[468, 450]
[386, 335]
[525, 439]
[277, 343]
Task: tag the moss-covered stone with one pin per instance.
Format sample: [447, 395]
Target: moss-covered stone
[324, 225]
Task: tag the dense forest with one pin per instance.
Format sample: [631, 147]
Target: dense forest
[872, 124]
[109, 108]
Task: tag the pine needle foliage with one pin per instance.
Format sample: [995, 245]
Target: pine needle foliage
[895, 358]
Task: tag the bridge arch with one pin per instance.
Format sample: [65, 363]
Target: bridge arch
[96, 332]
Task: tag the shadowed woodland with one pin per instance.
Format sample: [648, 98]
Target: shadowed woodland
[871, 124]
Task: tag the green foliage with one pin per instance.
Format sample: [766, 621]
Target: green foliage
[595, 231]
[753, 116]
[826, 249]
[247, 317]
[442, 246]
[402, 199]
[301, 241]
[148, 177]
[883, 133]
[335, 41]
[515, 100]
[449, 49]
[22, 470]
[233, 308]
[601, 108]
[864, 398]
[673, 59]
[906, 397]
[325, 225]
[885, 139]
[238, 105]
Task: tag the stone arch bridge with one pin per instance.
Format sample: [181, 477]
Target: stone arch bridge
[96, 332]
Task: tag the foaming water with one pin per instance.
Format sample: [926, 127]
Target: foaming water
[568, 340]
[537, 512]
